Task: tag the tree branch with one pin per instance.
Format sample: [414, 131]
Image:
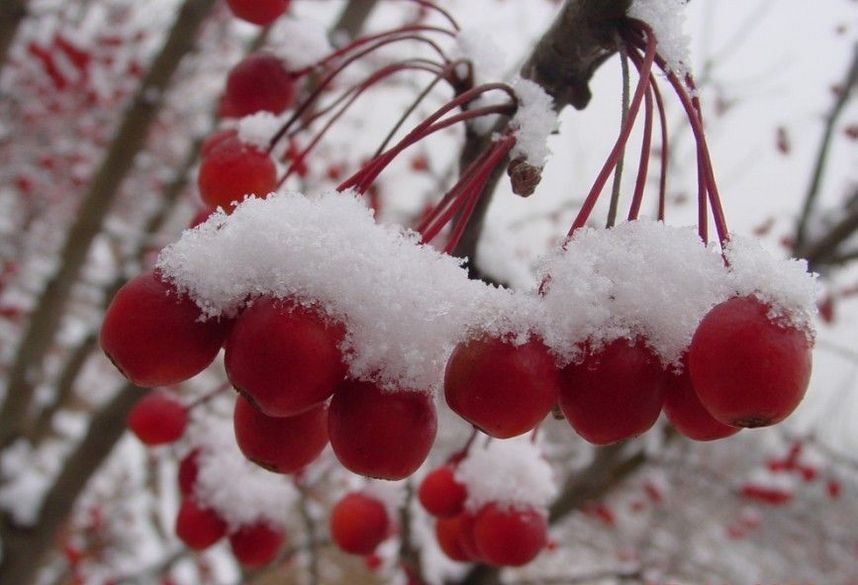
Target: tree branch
[563, 62]
[846, 87]
[24, 548]
[12, 14]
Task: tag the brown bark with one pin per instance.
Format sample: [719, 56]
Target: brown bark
[564, 60]
[12, 14]
[128, 141]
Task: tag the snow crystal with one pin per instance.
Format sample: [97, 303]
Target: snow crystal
[258, 129]
[667, 20]
[475, 45]
[783, 284]
[259, 495]
[511, 472]
[404, 305]
[305, 42]
[640, 278]
[534, 122]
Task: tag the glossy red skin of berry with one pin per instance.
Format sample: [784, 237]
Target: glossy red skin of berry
[440, 494]
[467, 540]
[232, 170]
[261, 12]
[259, 83]
[381, 434]
[503, 389]
[614, 394]
[198, 527]
[153, 336]
[213, 140]
[281, 445]
[158, 419]
[747, 370]
[189, 469]
[508, 536]
[687, 414]
[284, 357]
[257, 544]
[359, 524]
[448, 533]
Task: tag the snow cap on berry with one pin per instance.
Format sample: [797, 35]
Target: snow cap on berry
[241, 492]
[511, 472]
[304, 42]
[258, 129]
[667, 20]
[784, 284]
[637, 279]
[534, 121]
[404, 305]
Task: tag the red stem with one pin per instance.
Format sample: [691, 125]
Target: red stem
[499, 151]
[326, 81]
[356, 93]
[646, 147]
[625, 131]
[695, 120]
[364, 177]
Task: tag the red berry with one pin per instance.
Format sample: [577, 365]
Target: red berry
[259, 83]
[213, 140]
[189, 469]
[687, 414]
[448, 532]
[199, 527]
[359, 523]
[613, 394]
[261, 12]
[467, 538]
[441, 494]
[256, 544]
[509, 536]
[748, 370]
[284, 357]
[153, 336]
[281, 445]
[381, 433]
[232, 170]
[158, 419]
[503, 389]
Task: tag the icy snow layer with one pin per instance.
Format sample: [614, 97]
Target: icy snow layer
[534, 121]
[784, 285]
[304, 42]
[259, 495]
[405, 305]
[667, 20]
[645, 278]
[511, 472]
[258, 129]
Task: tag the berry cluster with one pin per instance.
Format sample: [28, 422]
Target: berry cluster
[200, 526]
[500, 524]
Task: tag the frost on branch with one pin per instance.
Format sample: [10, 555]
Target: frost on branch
[404, 305]
[667, 20]
[533, 122]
